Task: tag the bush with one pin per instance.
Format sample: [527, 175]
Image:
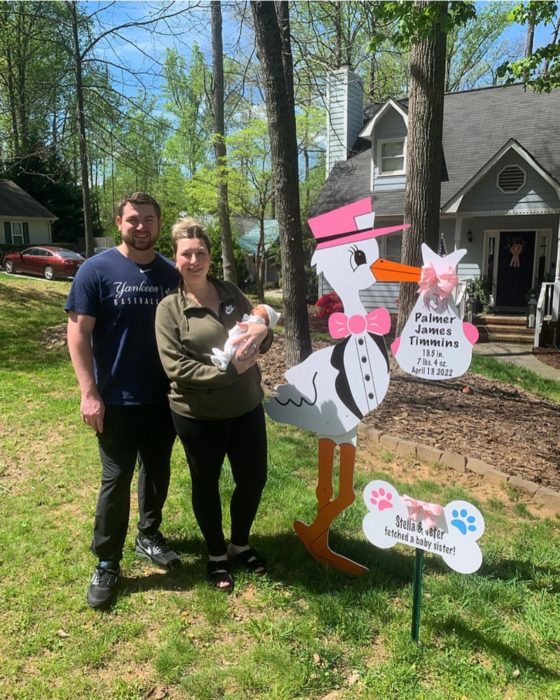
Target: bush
[328, 304]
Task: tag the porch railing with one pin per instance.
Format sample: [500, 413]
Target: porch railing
[461, 298]
[547, 307]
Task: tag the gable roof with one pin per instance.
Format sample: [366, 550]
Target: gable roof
[16, 202]
[512, 145]
[390, 104]
[476, 125]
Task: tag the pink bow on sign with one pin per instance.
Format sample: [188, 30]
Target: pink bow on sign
[377, 321]
[442, 284]
[421, 510]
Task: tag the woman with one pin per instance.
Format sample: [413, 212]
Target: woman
[216, 413]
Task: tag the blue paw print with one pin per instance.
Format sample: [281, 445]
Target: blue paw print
[463, 523]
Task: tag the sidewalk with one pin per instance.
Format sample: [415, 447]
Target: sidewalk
[520, 355]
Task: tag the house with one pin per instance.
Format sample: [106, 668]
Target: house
[500, 190]
[248, 232]
[23, 220]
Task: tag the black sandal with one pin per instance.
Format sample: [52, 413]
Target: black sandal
[219, 576]
[250, 561]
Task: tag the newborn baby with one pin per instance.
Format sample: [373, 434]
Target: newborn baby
[262, 313]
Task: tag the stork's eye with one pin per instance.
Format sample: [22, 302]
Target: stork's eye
[358, 257]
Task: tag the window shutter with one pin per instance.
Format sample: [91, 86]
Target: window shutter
[8, 232]
[25, 227]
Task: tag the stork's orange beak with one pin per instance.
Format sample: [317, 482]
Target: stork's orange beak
[388, 271]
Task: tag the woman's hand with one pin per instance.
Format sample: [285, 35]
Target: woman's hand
[243, 365]
[248, 343]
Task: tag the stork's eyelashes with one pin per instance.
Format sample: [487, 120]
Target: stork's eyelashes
[357, 257]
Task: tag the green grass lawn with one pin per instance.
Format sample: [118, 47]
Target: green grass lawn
[301, 632]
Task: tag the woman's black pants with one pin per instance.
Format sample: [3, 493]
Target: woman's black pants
[207, 442]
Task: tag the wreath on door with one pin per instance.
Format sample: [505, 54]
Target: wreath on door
[516, 248]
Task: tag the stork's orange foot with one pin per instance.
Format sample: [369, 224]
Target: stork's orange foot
[317, 544]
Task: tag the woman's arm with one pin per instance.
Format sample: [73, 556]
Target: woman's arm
[181, 369]
[255, 338]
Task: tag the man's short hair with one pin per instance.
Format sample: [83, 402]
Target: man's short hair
[138, 198]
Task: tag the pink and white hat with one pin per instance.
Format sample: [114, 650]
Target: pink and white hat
[347, 224]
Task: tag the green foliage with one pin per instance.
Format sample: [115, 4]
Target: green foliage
[47, 179]
[186, 99]
[516, 376]
[474, 48]
[216, 252]
[541, 70]
[421, 20]
[480, 289]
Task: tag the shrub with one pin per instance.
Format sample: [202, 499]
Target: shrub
[328, 304]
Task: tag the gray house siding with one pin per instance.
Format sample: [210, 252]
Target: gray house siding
[388, 183]
[344, 117]
[535, 194]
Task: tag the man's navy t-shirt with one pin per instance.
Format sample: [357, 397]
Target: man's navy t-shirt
[123, 296]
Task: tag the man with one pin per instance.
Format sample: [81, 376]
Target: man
[111, 310]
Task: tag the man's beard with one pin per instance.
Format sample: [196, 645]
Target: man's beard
[143, 244]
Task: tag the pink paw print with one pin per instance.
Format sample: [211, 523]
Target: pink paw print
[381, 499]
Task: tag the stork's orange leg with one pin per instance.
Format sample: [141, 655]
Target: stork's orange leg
[315, 537]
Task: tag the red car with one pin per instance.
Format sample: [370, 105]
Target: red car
[47, 261]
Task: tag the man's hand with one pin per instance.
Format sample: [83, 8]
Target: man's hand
[92, 409]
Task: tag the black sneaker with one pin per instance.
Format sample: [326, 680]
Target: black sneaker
[101, 590]
[155, 548]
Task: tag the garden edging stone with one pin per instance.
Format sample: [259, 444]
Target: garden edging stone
[427, 454]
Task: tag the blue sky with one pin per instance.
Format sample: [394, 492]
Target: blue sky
[144, 51]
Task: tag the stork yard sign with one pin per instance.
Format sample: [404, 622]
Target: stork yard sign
[435, 343]
[333, 389]
[450, 532]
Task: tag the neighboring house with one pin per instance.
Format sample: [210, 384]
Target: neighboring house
[23, 220]
[248, 237]
[500, 190]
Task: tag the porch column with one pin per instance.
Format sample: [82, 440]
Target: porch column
[458, 231]
[557, 276]
[556, 294]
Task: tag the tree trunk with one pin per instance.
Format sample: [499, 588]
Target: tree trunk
[259, 262]
[273, 48]
[86, 196]
[228, 259]
[423, 154]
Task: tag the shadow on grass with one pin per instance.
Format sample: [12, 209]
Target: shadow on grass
[182, 578]
[288, 563]
[457, 627]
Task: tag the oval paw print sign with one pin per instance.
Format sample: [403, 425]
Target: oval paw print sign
[451, 531]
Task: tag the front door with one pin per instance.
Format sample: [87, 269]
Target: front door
[515, 268]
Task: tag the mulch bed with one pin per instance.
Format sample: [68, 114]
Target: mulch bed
[505, 427]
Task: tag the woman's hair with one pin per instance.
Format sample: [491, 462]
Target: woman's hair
[189, 228]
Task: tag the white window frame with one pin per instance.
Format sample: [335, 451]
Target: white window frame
[19, 234]
[380, 144]
[383, 246]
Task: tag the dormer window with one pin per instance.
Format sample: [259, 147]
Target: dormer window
[511, 179]
[391, 156]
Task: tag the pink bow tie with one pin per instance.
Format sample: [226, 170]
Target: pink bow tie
[377, 321]
[421, 510]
